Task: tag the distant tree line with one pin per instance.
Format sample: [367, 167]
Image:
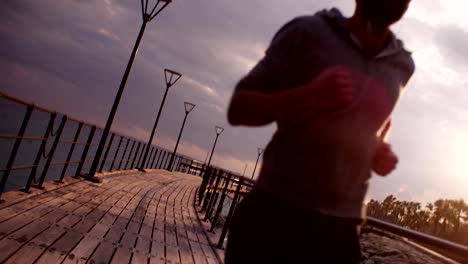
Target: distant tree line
[444, 218]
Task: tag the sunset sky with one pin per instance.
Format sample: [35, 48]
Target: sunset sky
[70, 56]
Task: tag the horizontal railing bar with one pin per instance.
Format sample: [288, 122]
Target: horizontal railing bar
[23, 137]
[71, 142]
[460, 251]
[19, 101]
[18, 168]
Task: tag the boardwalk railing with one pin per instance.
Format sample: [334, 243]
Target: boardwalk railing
[64, 147]
[444, 247]
[219, 195]
[219, 186]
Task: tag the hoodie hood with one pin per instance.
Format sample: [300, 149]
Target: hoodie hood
[335, 19]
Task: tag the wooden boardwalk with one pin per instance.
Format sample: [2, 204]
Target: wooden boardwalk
[128, 218]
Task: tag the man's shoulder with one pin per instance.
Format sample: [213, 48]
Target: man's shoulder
[404, 61]
[307, 22]
[306, 25]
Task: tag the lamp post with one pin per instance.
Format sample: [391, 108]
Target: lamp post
[260, 152]
[171, 78]
[148, 14]
[218, 130]
[188, 108]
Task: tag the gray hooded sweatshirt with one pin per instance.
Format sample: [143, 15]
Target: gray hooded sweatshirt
[324, 164]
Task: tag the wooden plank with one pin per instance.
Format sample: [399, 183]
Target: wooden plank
[83, 210]
[157, 252]
[143, 244]
[103, 253]
[185, 252]
[124, 218]
[98, 212]
[7, 213]
[13, 224]
[84, 226]
[111, 216]
[29, 204]
[114, 234]
[88, 244]
[139, 258]
[83, 250]
[59, 250]
[146, 231]
[69, 221]
[134, 227]
[209, 254]
[36, 247]
[122, 255]
[197, 252]
[7, 247]
[70, 206]
[195, 247]
[128, 240]
[29, 231]
[172, 252]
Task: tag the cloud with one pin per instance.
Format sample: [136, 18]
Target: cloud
[453, 40]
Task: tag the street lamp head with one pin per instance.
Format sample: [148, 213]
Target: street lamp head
[188, 107]
[219, 130]
[171, 77]
[154, 9]
[260, 151]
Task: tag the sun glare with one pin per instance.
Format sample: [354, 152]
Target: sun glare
[458, 160]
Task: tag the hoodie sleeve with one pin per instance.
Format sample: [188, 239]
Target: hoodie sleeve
[278, 69]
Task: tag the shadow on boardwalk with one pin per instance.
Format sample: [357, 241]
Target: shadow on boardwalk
[128, 218]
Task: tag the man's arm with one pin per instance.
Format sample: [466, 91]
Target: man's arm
[329, 91]
[385, 160]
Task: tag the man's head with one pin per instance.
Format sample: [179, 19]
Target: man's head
[382, 13]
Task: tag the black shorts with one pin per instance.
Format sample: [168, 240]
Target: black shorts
[266, 230]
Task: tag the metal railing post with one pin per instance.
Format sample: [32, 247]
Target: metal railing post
[163, 160]
[123, 154]
[230, 214]
[148, 162]
[158, 163]
[85, 152]
[70, 153]
[208, 194]
[190, 168]
[135, 156]
[15, 148]
[202, 189]
[107, 152]
[52, 151]
[139, 157]
[115, 154]
[221, 203]
[214, 196]
[167, 160]
[129, 155]
[40, 152]
[154, 159]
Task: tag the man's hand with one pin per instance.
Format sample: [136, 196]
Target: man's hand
[333, 88]
[385, 160]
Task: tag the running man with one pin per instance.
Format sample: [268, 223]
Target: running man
[331, 84]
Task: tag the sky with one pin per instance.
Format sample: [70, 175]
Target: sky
[70, 56]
